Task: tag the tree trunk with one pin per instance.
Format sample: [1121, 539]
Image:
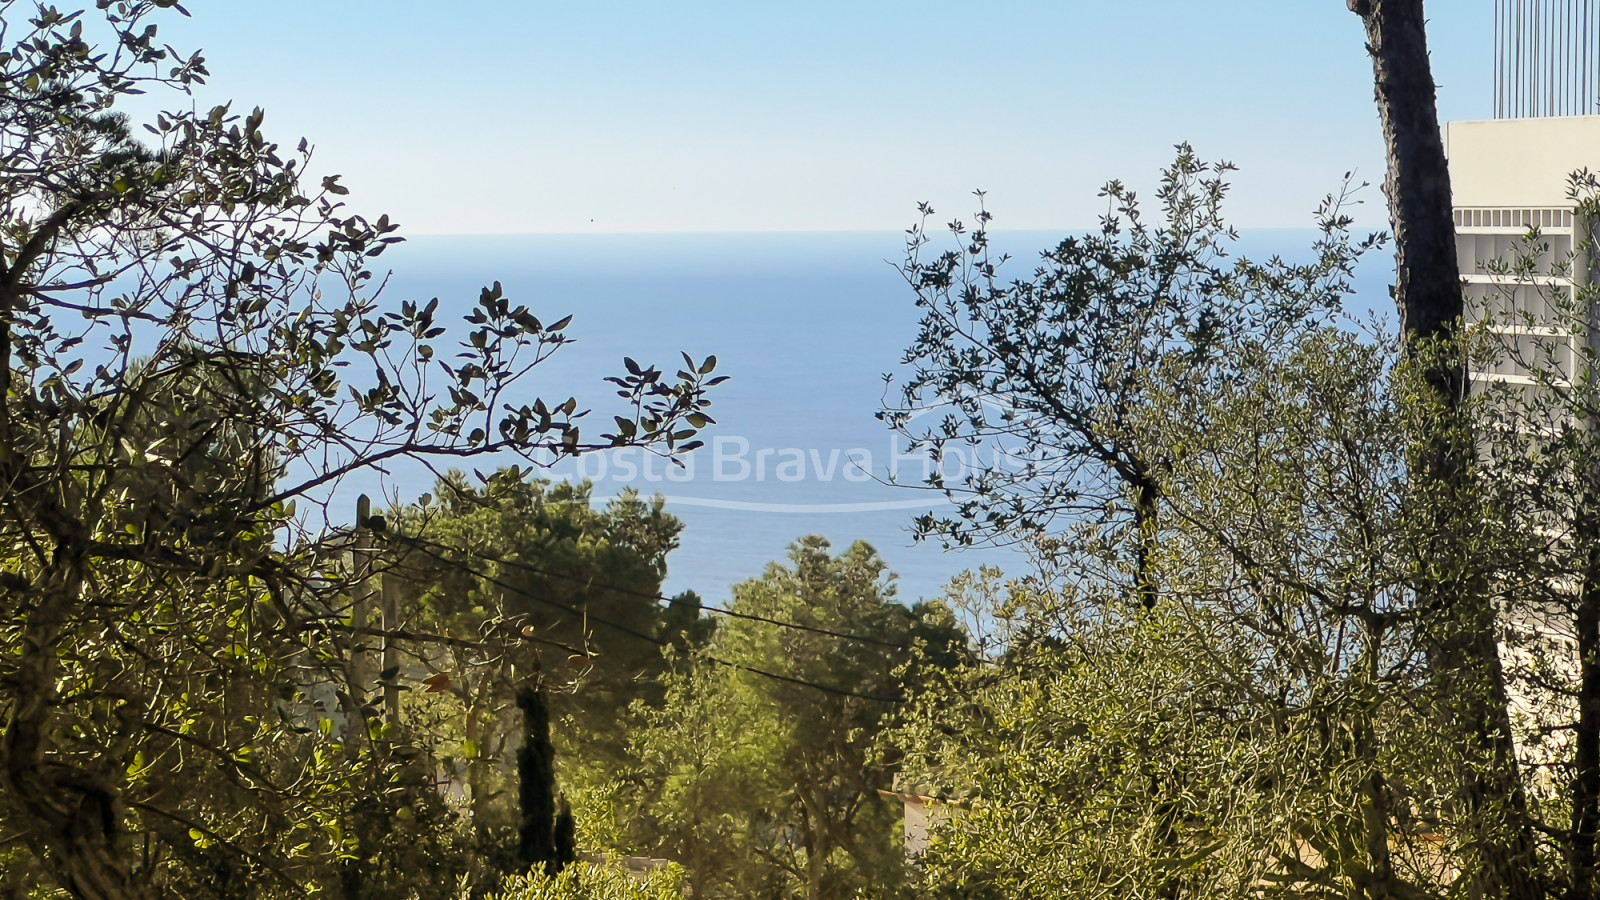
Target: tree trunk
[477, 805]
[77, 817]
[1583, 870]
[818, 845]
[1376, 814]
[1144, 522]
[1429, 296]
[1583, 848]
[1427, 281]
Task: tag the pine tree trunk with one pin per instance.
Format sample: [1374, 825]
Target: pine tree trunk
[1429, 296]
[1427, 279]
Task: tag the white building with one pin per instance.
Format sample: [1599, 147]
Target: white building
[1511, 173]
[1509, 176]
[919, 808]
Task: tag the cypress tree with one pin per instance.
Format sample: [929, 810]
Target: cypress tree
[536, 770]
[566, 839]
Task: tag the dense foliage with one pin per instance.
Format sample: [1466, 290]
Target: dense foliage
[1309, 618]
[760, 770]
[595, 881]
[193, 351]
[1243, 674]
[545, 591]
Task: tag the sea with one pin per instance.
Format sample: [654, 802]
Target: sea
[810, 329]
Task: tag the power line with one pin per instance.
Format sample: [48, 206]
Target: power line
[716, 610]
[631, 632]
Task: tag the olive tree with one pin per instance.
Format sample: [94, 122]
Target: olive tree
[1046, 374]
[1268, 728]
[1316, 731]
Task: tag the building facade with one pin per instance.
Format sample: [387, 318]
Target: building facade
[1508, 177]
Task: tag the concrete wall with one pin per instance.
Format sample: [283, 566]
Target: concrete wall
[916, 830]
[1520, 162]
[922, 813]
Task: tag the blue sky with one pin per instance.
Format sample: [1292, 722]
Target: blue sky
[485, 116]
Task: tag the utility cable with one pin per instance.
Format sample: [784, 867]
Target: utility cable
[631, 632]
[716, 610]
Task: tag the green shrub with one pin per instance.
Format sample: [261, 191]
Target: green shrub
[592, 881]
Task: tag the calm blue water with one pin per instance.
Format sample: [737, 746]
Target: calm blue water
[806, 325]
